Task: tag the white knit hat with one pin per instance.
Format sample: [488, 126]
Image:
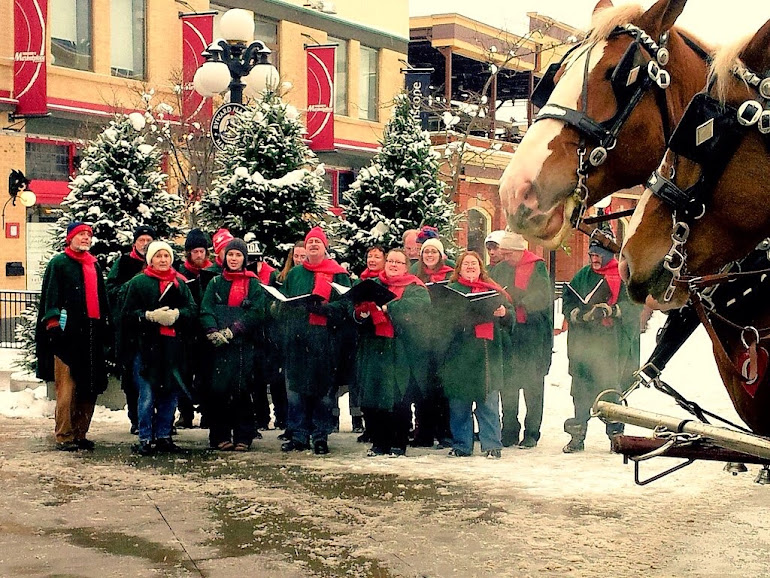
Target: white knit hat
[436, 244]
[156, 246]
[513, 242]
[495, 237]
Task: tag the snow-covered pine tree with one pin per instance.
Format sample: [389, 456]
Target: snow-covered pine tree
[118, 187]
[269, 183]
[399, 190]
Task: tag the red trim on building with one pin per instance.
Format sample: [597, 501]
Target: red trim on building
[77, 107]
[342, 143]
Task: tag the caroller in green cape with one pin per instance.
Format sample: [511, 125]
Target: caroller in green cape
[602, 338]
[529, 345]
[473, 365]
[159, 319]
[72, 335]
[391, 355]
[312, 345]
[233, 311]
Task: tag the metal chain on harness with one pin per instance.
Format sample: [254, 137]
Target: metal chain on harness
[675, 259]
[580, 194]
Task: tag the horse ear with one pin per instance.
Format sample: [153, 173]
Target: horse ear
[602, 5]
[756, 54]
[661, 16]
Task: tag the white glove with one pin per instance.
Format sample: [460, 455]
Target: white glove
[227, 333]
[154, 315]
[217, 339]
[167, 317]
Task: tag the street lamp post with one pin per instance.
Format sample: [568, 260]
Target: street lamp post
[237, 62]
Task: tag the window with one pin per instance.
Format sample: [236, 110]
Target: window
[264, 29]
[71, 33]
[48, 161]
[127, 38]
[340, 75]
[367, 84]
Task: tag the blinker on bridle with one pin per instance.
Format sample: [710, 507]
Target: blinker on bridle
[708, 134]
[630, 80]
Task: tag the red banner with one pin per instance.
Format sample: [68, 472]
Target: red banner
[29, 69]
[197, 34]
[320, 97]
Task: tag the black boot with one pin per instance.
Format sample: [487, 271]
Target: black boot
[358, 424]
[578, 432]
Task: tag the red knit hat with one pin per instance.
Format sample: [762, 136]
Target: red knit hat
[318, 233]
[75, 228]
[220, 239]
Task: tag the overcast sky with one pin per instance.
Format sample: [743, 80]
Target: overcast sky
[715, 22]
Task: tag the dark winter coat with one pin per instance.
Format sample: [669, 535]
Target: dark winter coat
[599, 351]
[236, 365]
[163, 357]
[529, 345]
[312, 351]
[85, 341]
[387, 366]
[472, 367]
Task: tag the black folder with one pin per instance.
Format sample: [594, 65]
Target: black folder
[472, 305]
[367, 290]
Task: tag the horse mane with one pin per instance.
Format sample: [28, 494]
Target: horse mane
[725, 58]
[604, 22]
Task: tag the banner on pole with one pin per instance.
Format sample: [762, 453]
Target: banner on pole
[320, 97]
[29, 67]
[197, 34]
[418, 89]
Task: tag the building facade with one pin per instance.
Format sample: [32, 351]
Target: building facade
[84, 60]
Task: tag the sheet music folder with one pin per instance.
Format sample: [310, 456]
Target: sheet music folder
[366, 290]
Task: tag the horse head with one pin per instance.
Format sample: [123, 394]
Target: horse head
[706, 205]
[612, 98]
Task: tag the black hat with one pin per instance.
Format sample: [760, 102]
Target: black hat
[596, 248]
[195, 239]
[144, 230]
[238, 245]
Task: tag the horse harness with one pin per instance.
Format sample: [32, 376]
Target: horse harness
[709, 134]
[629, 84]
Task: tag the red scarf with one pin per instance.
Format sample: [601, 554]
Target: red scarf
[264, 273]
[165, 278]
[383, 326]
[324, 274]
[369, 274]
[521, 279]
[239, 287]
[440, 275]
[195, 270]
[87, 262]
[483, 330]
[134, 255]
[612, 276]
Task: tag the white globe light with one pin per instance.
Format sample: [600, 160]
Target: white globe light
[198, 84]
[261, 78]
[237, 25]
[27, 198]
[215, 77]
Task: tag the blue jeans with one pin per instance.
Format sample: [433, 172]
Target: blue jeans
[488, 416]
[310, 415]
[155, 410]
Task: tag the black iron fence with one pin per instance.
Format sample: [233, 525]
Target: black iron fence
[12, 304]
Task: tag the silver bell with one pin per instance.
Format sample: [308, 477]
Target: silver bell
[763, 477]
[735, 468]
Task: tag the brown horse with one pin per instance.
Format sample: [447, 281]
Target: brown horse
[707, 205]
[617, 96]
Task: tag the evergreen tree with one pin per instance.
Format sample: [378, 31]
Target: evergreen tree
[269, 182]
[118, 188]
[399, 190]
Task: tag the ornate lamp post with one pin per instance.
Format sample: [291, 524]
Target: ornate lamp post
[237, 62]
